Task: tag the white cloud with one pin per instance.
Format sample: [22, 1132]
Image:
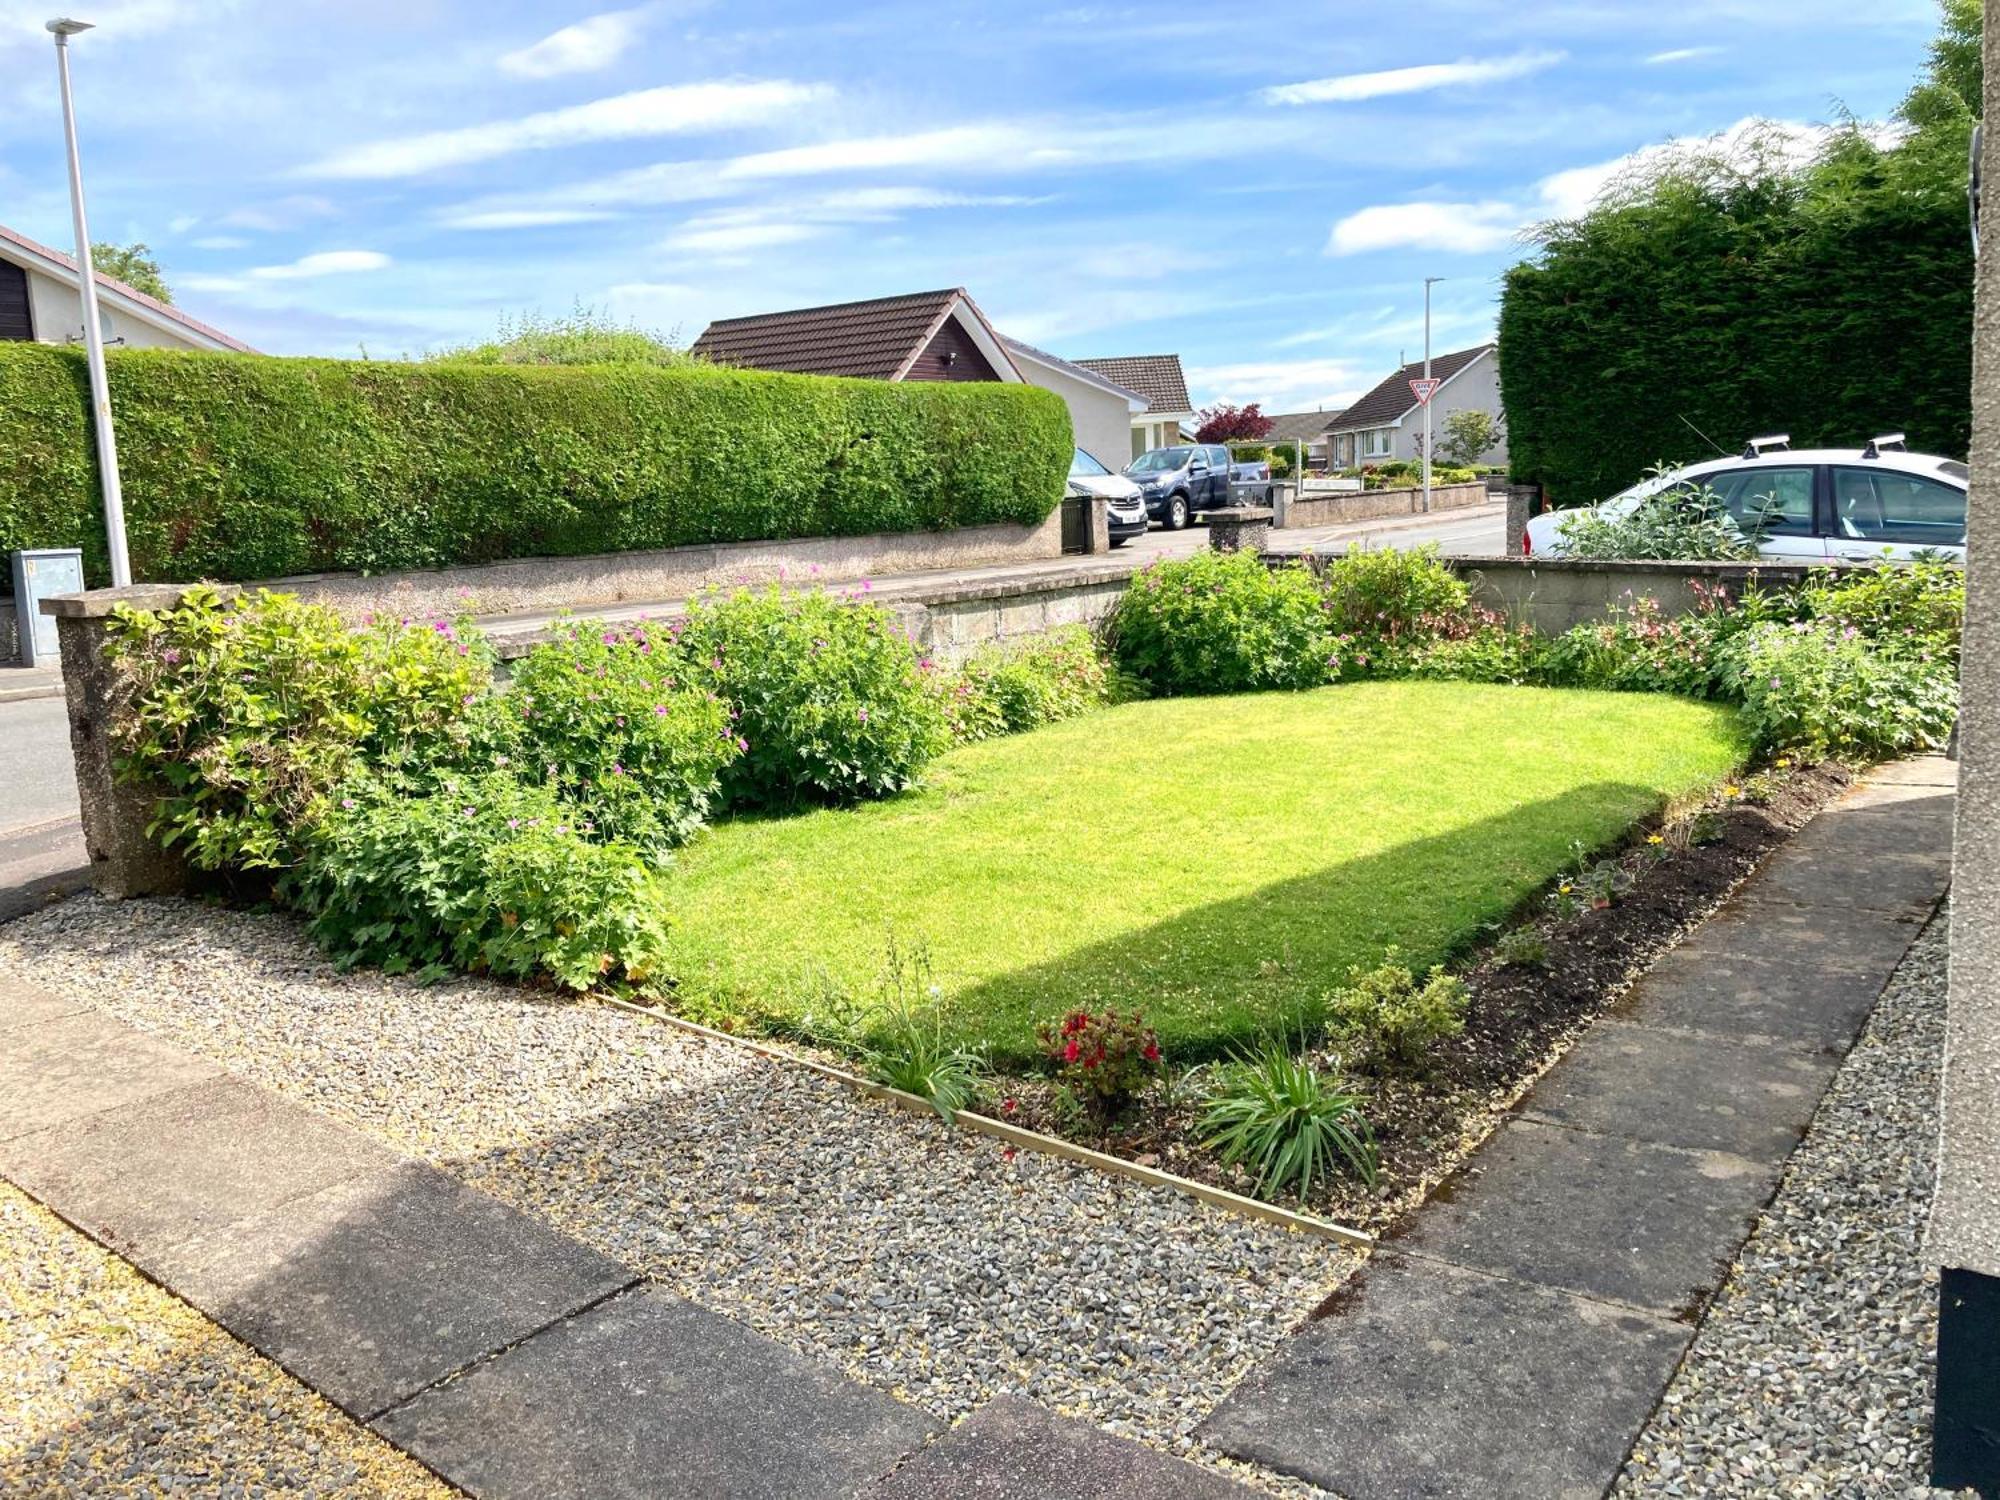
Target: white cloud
[1681, 54]
[1455, 228]
[669, 110]
[734, 239]
[280, 214]
[1348, 87]
[1281, 385]
[219, 242]
[585, 47]
[322, 263]
[519, 218]
[979, 146]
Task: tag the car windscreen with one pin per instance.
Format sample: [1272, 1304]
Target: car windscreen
[1082, 463]
[1159, 461]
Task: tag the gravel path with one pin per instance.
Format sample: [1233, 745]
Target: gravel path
[936, 1264]
[111, 1387]
[1811, 1375]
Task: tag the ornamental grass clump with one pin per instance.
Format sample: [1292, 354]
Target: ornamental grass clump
[832, 700]
[1105, 1058]
[1291, 1123]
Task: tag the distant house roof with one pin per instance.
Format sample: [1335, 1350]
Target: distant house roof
[1029, 352]
[874, 340]
[1301, 426]
[129, 299]
[1157, 377]
[1391, 401]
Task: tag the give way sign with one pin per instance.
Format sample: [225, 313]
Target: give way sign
[1423, 390]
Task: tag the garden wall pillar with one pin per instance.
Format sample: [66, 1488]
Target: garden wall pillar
[123, 861]
[1964, 1241]
[1523, 501]
[1240, 528]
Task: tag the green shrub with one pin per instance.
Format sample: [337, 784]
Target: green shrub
[1387, 1014]
[1687, 523]
[583, 337]
[487, 874]
[1639, 648]
[1107, 1057]
[624, 728]
[831, 699]
[1391, 594]
[1920, 606]
[1822, 689]
[1522, 948]
[1014, 688]
[1487, 649]
[1222, 622]
[245, 467]
[248, 711]
[1287, 1121]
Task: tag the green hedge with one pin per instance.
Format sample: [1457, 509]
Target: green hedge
[243, 466]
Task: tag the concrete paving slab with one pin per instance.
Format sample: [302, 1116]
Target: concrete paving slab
[1859, 861]
[1785, 997]
[63, 1069]
[1920, 770]
[1012, 1449]
[1431, 1382]
[647, 1396]
[1918, 800]
[1601, 1215]
[372, 1289]
[1704, 1093]
[1824, 936]
[152, 1174]
[25, 1005]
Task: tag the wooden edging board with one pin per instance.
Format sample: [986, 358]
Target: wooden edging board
[1033, 1140]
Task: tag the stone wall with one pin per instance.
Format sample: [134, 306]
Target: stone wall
[1552, 594]
[1312, 509]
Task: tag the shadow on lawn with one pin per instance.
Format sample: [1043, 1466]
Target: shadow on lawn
[1224, 973]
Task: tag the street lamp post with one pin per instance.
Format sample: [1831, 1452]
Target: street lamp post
[1429, 282]
[93, 334]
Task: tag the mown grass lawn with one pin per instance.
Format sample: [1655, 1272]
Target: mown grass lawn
[1217, 862]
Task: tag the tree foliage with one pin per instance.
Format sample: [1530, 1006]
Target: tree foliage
[1740, 285]
[134, 265]
[584, 337]
[1223, 423]
[1468, 434]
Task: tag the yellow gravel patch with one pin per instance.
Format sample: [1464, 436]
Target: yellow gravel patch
[111, 1386]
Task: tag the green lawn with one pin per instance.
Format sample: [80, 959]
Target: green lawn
[1213, 861]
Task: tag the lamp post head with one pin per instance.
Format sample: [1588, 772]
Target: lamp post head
[63, 27]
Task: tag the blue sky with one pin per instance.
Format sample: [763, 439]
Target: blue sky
[1258, 187]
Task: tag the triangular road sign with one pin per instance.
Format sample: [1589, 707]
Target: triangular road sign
[1423, 390]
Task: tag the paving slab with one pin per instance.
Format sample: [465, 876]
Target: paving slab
[377, 1286]
[1431, 1382]
[1753, 1098]
[1785, 997]
[149, 1175]
[71, 1066]
[1827, 937]
[1859, 861]
[647, 1395]
[26, 1005]
[1012, 1449]
[1919, 770]
[1608, 1217]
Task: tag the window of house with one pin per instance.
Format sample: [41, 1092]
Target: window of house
[1377, 442]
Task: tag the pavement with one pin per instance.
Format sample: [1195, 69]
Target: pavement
[1516, 1335]
[41, 840]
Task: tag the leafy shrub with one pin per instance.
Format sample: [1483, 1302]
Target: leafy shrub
[1920, 606]
[1108, 1057]
[1480, 647]
[1640, 648]
[1287, 1121]
[621, 725]
[1522, 948]
[1010, 689]
[1826, 690]
[1393, 1017]
[1390, 594]
[832, 702]
[489, 874]
[1685, 522]
[248, 711]
[582, 337]
[1222, 622]
[240, 466]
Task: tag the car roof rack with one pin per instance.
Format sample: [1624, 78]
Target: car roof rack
[1775, 442]
[1888, 442]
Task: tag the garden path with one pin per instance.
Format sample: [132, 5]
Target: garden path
[1518, 1333]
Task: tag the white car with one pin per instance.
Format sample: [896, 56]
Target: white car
[1125, 508]
[1873, 504]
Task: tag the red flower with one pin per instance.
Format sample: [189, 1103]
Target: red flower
[1008, 1106]
[1152, 1053]
[1071, 1052]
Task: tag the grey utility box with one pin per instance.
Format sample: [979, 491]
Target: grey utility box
[41, 573]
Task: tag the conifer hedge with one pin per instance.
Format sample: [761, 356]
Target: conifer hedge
[246, 466]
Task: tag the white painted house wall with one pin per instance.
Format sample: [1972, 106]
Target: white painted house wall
[58, 315]
[1101, 420]
[1476, 387]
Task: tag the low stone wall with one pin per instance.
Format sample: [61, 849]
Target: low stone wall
[1367, 505]
[537, 585]
[1552, 594]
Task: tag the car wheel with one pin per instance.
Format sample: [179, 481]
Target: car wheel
[1177, 513]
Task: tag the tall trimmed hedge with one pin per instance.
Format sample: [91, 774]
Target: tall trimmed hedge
[1735, 290]
[244, 466]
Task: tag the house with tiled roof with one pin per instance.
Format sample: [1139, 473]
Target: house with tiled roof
[939, 335]
[1160, 379]
[1388, 422]
[1308, 429]
[41, 302]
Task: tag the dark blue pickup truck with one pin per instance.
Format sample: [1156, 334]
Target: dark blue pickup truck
[1180, 481]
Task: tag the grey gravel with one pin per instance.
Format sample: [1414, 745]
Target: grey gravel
[1811, 1375]
[933, 1263]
